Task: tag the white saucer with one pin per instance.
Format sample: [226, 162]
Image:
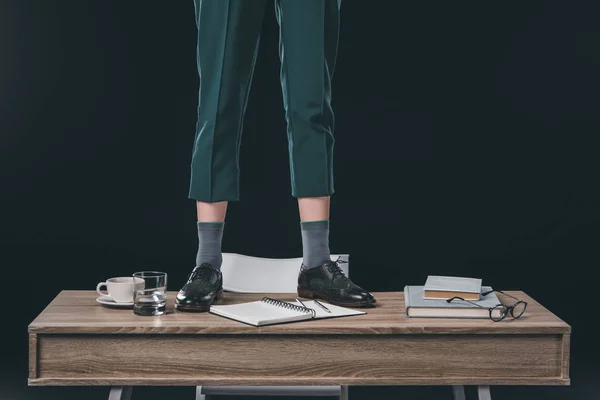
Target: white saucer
[108, 301]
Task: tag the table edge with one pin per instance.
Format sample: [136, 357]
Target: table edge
[557, 327]
[279, 381]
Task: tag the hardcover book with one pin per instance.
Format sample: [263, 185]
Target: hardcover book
[417, 306]
[446, 287]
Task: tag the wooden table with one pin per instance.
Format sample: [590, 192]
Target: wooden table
[76, 341]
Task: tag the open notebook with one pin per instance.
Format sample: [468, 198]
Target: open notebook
[269, 311]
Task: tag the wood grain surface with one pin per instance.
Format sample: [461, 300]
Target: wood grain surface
[33, 355]
[76, 341]
[300, 359]
[75, 311]
[566, 354]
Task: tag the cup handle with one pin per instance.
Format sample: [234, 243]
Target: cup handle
[98, 289]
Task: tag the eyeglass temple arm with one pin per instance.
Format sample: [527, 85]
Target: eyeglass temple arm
[499, 291]
[460, 298]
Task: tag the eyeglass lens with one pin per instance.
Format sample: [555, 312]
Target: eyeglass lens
[518, 309]
[499, 312]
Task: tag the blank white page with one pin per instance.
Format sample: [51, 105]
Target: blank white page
[336, 311]
[258, 313]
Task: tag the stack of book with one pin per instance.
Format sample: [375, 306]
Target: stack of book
[430, 300]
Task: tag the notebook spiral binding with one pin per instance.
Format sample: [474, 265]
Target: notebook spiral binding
[289, 306]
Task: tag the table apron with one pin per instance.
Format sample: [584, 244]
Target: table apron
[162, 359]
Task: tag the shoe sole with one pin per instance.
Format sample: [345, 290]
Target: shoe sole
[191, 307]
[313, 294]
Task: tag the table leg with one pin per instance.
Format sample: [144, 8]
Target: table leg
[459, 392]
[344, 394]
[484, 393]
[120, 393]
[199, 395]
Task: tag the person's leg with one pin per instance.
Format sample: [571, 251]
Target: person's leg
[228, 37]
[314, 224]
[211, 222]
[308, 50]
[308, 47]
[227, 45]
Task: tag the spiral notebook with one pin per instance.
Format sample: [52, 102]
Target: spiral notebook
[269, 311]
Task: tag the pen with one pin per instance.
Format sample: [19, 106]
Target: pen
[299, 301]
[323, 307]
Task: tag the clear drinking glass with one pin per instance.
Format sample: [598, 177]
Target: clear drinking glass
[151, 298]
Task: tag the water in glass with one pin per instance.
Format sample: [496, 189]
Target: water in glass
[152, 298]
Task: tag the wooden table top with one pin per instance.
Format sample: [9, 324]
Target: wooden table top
[77, 312]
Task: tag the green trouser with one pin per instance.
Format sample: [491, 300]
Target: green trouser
[228, 37]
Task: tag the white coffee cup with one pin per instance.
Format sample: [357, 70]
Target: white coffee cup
[121, 289]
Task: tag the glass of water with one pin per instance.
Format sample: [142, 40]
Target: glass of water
[150, 298]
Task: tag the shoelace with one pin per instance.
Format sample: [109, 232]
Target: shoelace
[335, 269]
[201, 272]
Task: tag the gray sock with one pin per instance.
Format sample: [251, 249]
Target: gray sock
[210, 235]
[315, 243]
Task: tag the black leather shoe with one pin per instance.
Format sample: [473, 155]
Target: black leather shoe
[203, 287]
[328, 282]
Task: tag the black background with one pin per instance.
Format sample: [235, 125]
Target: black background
[466, 144]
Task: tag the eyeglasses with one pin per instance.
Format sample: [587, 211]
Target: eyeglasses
[500, 311]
